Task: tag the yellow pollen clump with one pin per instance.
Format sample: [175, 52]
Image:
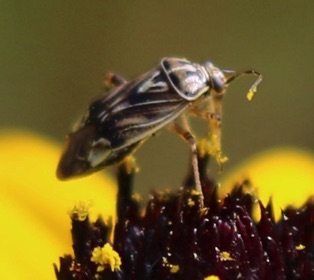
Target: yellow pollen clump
[212, 277]
[174, 268]
[106, 256]
[250, 94]
[225, 256]
[80, 210]
[300, 247]
[191, 202]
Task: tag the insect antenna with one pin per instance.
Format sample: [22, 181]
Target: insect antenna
[232, 75]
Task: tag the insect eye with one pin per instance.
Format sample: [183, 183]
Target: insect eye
[218, 83]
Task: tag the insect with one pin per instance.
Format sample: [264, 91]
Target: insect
[129, 113]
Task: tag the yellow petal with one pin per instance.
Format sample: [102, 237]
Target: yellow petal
[285, 174]
[35, 228]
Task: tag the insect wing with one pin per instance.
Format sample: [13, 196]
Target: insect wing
[190, 80]
[136, 110]
[118, 123]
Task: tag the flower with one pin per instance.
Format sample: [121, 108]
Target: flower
[168, 240]
[285, 174]
[34, 205]
[175, 238]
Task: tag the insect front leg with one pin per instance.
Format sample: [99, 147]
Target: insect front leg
[213, 114]
[185, 133]
[113, 80]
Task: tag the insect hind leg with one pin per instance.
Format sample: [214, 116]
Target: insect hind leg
[113, 80]
[188, 137]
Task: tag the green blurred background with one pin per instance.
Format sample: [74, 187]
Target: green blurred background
[54, 55]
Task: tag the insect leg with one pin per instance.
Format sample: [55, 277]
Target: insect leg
[112, 80]
[212, 114]
[188, 136]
